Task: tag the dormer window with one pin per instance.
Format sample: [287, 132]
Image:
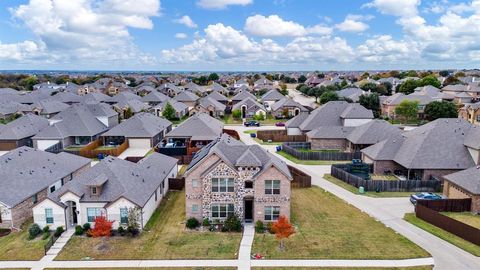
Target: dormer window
[94, 190]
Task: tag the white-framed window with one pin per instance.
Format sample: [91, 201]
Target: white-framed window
[49, 215]
[194, 183]
[124, 215]
[272, 212]
[222, 210]
[93, 213]
[222, 184]
[194, 208]
[272, 186]
[94, 190]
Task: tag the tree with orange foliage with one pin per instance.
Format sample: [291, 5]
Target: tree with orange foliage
[103, 227]
[283, 229]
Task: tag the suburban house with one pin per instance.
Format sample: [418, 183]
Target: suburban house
[20, 131]
[470, 113]
[431, 151]
[67, 98]
[351, 93]
[190, 136]
[209, 106]
[48, 107]
[228, 178]
[389, 105]
[77, 126]
[217, 88]
[10, 109]
[287, 108]
[143, 130]
[241, 83]
[464, 185]
[27, 176]
[472, 89]
[180, 108]
[218, 96]
[111, 188]
[132, 106]
[242, 95]
[333, 113]
[154, 98]
[95, 97]
[249, 107]
[187, 98]
[271, 97]
[123, 97]
[169, 89]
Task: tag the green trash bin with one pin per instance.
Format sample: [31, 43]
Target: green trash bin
[361, 190]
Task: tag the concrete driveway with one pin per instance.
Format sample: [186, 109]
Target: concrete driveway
[134, 152]
[389, 211]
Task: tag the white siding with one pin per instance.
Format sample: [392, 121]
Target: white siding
[355, 122]
[44, 144]
[104, 120]
[82, 216]
[294, 131]
[57, 185]
[58, 214]
[139, 143]
[6, 212]
[475, 154]
[113, 210]
[74, 198]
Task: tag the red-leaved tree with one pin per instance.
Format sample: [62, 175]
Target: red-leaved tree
[283, 229]
[103, 227]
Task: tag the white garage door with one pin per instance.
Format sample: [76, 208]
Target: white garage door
[44, 144]
[139, 143]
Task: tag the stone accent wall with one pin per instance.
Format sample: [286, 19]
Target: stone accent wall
[23, 211]
[325, 144]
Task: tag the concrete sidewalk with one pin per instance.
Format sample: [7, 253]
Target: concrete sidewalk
[244, 255]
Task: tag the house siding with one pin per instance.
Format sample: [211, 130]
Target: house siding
[324, 144]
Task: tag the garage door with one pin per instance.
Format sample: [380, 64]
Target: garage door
[7, 145]
[139, 143]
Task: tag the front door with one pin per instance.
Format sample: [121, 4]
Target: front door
[74, 213]
[248, 210]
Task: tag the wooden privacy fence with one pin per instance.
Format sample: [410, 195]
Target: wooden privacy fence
[447, 205]
[300, 179]
[339, 171]
[291, 148]
[448, 224]
[91, 151]
[176, 183]
[279, 136]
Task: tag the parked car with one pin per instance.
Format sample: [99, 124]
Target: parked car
[252, 123]
[424, 196]
[280, 124]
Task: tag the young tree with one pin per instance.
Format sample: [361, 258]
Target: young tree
[429, 80]
[328, 96]
[408, 87]
[213, 77]
[371, 102]
[441, 109]
[408, 110]
[127, 113]
[283, 229]
[168, 111]
[102, 227]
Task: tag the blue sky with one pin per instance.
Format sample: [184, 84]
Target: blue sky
[239, 34]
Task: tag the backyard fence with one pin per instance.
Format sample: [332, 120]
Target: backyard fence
[292, 148]
[91, 151]
[176, 183]
[300, 179]
[341, 172]
[447, 205]
[279, 136]
[448, 224]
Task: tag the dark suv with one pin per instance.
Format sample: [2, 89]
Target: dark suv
[251, 124]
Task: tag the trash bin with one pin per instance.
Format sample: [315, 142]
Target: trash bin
[278, 148]
[253, 135]
[100, 156]
[361, 190]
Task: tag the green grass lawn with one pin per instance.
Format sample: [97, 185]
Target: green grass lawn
[308, 162]
[383, 177]
[260, 141]
[465, 217]
[270, 120]
[322, 150]
[373, 194]
[250, 131]
[164, 237]
[329, 228]
[451, 238]
[75, 147]
[17, 247]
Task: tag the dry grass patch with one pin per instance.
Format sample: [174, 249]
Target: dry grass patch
[17, 247]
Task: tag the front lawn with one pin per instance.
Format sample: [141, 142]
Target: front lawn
[373, 194]
[164, 237]
[451, 238]
[329, 228]
[307, 162]
[465, 217]
[17, 247]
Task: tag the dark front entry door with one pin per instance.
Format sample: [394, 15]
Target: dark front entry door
[248, 210]
[74, 213]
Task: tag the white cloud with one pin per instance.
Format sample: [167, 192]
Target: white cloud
[395, 7]
[84, 30]
[385, 48]
[221, 4]
[272, 26]
[187, 21]
[349, 25]
[181, 36]
[20, 51]
[319, 29]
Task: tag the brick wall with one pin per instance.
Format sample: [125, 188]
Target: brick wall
[324, 144]
[23, 211]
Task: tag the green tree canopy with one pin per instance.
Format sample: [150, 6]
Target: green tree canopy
[168, 111]
[213, 77]
[429, 80]
[328, 96]
[408, 110]
[441, 109]
[408, 87]
[371, 102]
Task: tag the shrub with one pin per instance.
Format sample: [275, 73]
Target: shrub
[45, 235]
[58, 231]
[102, 228]
[86, 227]
[232, 224]
[259, 227]
[206, 222]
[121, 230]
[270, 228]
[34, 230]
[236, 114]
[78, 230]
[46, 229]
[192, 223]
[259, 117]
[133, 231]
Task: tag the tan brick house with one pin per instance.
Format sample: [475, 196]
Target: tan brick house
[464, 185]
[228, 177]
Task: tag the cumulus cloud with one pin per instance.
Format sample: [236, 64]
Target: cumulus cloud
[275, 26]
[221, 4]
[187, 21]
[349, 25]
[181, 36]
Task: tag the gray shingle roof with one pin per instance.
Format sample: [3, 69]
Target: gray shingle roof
[386, 149]
[155, 96]
[218, 97]
[373, 132]
[242, 95]
[26, 171]
[48, 106]
[287, 102]
[135, 105]
[178, 106]
[468, 179]
[23, 127]
[123, 96]
[142, 125]
[208, 101]
[272, 95]
[198, 127]
[472, 139]
[330, 132]
[186, 96]
[135, 182]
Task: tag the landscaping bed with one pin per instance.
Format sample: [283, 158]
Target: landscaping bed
[165, 237]
[329, 228]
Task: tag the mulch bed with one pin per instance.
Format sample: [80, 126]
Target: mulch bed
[4, 232]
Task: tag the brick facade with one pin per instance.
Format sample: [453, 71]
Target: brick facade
[453, 191]
[23, 211]
[328, 144]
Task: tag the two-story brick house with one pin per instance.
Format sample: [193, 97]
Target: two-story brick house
[228, 177]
